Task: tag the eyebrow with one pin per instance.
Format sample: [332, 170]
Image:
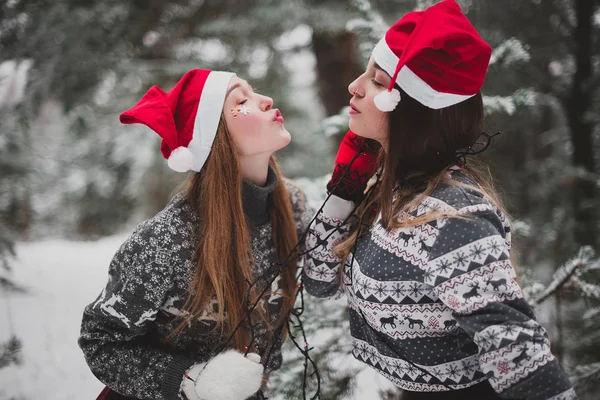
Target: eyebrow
[237, 85]
[379, 68]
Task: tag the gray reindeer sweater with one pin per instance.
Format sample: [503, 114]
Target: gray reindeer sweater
[436, 307]
[123, 332]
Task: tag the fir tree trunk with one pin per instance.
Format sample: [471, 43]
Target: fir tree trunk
[338, 64]
[578, 106]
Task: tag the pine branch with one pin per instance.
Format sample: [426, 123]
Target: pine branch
[589, 290]
[586, 377]
[591, 314]
[565, 273]
[7, 250]
[592, 266]
[372, 23]
[336, 124]
[10, 352]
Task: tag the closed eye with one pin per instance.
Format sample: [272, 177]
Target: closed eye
[375, 82]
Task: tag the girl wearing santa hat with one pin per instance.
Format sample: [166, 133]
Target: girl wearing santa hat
[422, 250]
[180, 287]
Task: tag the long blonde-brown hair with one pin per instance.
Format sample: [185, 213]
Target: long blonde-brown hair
[224, 258]
[421, 146]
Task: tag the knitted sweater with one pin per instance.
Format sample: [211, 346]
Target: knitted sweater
[123, 332]
[436, 307]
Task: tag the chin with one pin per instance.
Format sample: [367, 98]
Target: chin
[359, 130]
[286, 138]
[363, 131]
[279, 143]
[356, 128]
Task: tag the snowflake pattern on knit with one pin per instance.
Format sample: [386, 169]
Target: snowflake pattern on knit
[124, 331]
[426, 298]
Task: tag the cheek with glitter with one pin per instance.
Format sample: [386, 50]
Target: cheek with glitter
[241, 110]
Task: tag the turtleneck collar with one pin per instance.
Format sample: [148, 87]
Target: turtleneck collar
[255, 198]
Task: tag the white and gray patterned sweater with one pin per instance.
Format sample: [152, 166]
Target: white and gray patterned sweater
[436, 307]
[123, 332]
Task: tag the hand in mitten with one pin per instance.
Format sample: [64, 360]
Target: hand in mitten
[351, 184]
[227, 376]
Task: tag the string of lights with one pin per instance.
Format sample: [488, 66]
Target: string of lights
[293, 322]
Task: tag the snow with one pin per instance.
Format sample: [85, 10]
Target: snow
[13, 79]
[61, 278]
[509, 104]
[299, 37]
[511, 51]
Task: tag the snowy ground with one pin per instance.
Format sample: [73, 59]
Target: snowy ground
[62, 277]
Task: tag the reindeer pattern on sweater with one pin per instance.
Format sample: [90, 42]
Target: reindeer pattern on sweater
[436, 306]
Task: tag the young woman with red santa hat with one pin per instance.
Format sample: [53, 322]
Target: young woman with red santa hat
[179, 286]
[425, 258]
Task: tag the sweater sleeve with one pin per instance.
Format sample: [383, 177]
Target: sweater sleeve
[300, 208]
[321, 273]
[113, 330]
[470, 270]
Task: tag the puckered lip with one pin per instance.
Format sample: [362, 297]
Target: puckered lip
[277, 114]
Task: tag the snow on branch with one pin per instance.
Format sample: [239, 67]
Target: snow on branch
[10, 352]
[509, 52]
[586, 375]
[337, 124]
[591, 314]
[594, 265]
[372, 23]
[13, 80]
[588, 290]
[509, 104]
[566, 273]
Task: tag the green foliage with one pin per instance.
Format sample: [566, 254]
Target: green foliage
[326, 327]
[10, 352]
[69, 168]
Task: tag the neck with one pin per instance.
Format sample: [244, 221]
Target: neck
[255, 168]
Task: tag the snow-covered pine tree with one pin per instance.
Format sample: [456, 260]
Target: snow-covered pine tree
[87, 68]
[524, 97]
[577, 279]
[14, 216]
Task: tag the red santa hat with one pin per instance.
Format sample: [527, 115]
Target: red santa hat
[186, 117]
[436, 56]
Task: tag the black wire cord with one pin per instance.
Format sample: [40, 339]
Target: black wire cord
[293, 320]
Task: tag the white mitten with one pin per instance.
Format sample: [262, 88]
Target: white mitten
[227, 376]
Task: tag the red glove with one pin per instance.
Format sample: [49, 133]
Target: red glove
[351, 184]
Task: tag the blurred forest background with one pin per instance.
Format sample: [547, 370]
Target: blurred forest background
[68, 169]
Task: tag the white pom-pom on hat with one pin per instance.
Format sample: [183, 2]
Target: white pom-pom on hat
[388, 100]
[186, 117]
[181, 159]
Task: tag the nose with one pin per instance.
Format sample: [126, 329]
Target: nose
[353, 87]
[266, 103]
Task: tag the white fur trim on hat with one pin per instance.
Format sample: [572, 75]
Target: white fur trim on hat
[181, 159]
[387, 101]
[208, 115]
[411, 83]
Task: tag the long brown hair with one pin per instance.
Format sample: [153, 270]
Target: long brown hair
[224, 258]
[421, 148]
